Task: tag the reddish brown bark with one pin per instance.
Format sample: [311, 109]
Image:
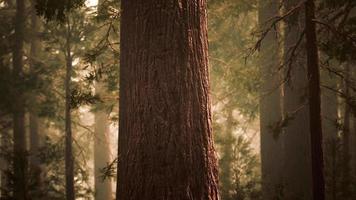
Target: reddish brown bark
[165, 141]
[314, 102]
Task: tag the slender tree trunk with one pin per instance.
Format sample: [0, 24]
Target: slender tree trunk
[270, 107]
[314, 102]
[20, 159]
[297, 162]
[69, 160]
[165, 140]
[346, 138]
[353, 133]
[34, 119]
[226, 158]
[102, 152]
[5, 142]
[329, 109]
[103, 188]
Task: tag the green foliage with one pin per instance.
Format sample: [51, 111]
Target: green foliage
[51, 157]
[235, 80]
[57, 10]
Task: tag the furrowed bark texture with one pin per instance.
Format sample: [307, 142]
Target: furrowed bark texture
[103, 190]
[270, 107]
[165, 140]
[297, 165]
[20, 159]
[314, 102]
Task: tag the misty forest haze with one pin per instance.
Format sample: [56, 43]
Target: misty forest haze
[178, 100]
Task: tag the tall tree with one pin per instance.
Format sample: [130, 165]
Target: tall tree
[226, 157]
[69, 160]
[165, 138]
[314, 102]
[270, 106]
[20, 159]
[346, 136]
[33, 115]
[103, 188]
[329, 110]
[297, 165]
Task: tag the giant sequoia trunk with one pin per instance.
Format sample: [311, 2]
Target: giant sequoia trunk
[69, 160]
[314, 102]
[20, 159]
[270, 107]
[103, 189]
[297, 169]
[165, 137]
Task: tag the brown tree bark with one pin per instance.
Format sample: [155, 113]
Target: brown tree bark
[270, 107]
[297, 162]
[165, 137]
[69, 160]
[103, 188]
[314, 102]
[20, 158]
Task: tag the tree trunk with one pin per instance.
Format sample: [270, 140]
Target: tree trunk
[69, 161]
[34, 119]
[353, 133]
[329, 110]
[346, 138]
[314, 102]
[227, 157]
[5, 147]
[102, 151]
[270, 107]
[103, 190]
[165, 140]
[297, 162]
[20, 159]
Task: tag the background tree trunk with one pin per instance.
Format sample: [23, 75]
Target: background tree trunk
[165, 137]
[69, 160]
[20, 158]
[34, 119]
[346, 137]
[297, 169]
[329, 110]
[227, 157]
[314, 102]
[102, 152]
[270, 107]
[103, 190]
